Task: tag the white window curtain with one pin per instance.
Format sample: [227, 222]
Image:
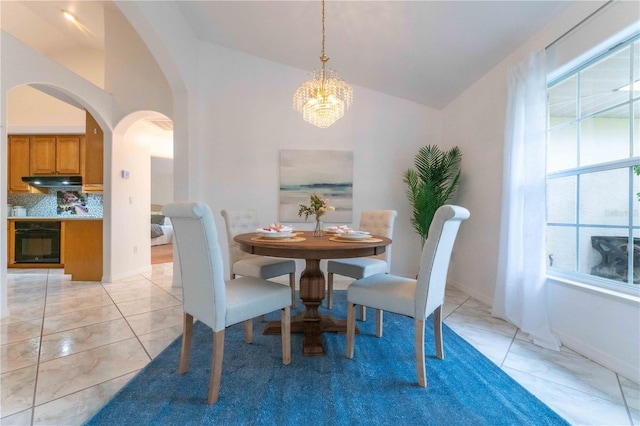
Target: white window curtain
[520, 295]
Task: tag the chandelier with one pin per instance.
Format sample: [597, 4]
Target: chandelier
[323, 98]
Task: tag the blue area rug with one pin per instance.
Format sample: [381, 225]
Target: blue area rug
[377, 387]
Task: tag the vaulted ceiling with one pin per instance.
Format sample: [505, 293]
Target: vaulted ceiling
[424, 51]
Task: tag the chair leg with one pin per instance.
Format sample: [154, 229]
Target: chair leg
[285, 331]
[379, 313]
[437, 330]
[351, 328]
[419, 342]
[329, 290]
[363, 313]
[185, 352]
[248, 331]
[216, 366]
[292, 284]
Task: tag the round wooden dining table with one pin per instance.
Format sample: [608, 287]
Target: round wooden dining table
[312, 282]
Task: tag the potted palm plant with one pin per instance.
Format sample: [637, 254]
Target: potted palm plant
[431, 184]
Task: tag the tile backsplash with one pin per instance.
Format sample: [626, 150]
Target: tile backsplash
[46, 205]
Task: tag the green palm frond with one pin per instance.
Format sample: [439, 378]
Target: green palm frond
[431, 184]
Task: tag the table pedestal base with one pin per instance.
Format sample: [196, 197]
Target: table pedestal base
[310, 322]
[312, 282]
[312, 329]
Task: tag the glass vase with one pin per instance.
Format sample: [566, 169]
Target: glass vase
[317, 231]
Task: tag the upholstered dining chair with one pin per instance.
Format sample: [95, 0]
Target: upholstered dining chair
[377, 222]
[414, 298]
[250, 265]
[214, 302]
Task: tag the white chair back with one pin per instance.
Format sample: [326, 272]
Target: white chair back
[239, 222]
[379, 222]
[434, 262]
[201, 267]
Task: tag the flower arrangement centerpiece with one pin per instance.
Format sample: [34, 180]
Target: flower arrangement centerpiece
[318, 207]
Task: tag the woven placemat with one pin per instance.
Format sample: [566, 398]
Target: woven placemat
[279, 240]
[363, 240]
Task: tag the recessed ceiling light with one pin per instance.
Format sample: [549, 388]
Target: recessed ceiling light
[70, 16]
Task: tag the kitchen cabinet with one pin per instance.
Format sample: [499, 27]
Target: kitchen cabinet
[80, 247]
[94, 156]
[18, 163]
[51, 155]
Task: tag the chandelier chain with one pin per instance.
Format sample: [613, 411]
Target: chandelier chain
[322, 30]
[324, 97]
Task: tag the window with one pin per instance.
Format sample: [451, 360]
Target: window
[593, 162]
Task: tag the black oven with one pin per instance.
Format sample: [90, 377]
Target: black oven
[37, 242]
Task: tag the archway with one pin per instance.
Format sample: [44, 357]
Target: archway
[134, 140]
[47, 108]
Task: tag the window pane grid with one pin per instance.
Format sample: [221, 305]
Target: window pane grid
[593, 145]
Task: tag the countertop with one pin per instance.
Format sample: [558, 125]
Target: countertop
[52, 218]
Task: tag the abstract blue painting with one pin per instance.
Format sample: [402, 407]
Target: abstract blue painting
[324, 172]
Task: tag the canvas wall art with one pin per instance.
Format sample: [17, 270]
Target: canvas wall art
[324, 172]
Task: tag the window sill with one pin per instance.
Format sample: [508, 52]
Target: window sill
[593, 288]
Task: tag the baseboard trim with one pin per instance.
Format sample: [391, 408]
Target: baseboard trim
[123, 275]
[471, 292]
[596, 354]
[583, 348]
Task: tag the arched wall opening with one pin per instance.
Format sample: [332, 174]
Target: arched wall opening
[40, 107]
[136, 139]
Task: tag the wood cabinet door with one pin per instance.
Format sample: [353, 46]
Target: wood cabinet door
[83, 249]
[18, 164]
[94, 156]
[43, 155]
[68, 155]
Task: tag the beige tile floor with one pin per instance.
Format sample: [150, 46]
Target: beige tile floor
[69, 346]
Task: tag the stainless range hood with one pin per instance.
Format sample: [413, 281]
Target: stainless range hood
[52, 181]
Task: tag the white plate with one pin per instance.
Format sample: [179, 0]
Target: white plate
[334, 232]
[277, 235]
[337, 229]
[355, 235]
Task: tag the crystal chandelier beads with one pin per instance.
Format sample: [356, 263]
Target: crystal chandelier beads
[324, 97]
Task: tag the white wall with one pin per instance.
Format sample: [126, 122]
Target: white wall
[87, 63]
[140, 91]
[131, 197]
[245, 118]
[603, 326]
[235, 115]
[231, 129]
[131, 70]
[32, 111]
[475, 122]
[227, 127]
[22, 65]
[161, 180]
